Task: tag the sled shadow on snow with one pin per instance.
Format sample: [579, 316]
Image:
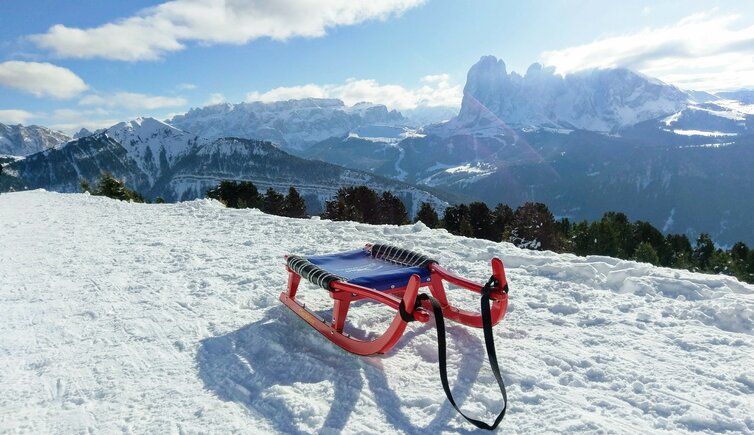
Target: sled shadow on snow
[267, 366]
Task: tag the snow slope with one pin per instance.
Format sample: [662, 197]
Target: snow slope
[136, 318]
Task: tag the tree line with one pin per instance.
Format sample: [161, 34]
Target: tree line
[533, 226]
[352, 203]
[530, 226]
[244, 194]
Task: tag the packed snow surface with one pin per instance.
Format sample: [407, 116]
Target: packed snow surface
[135, 318]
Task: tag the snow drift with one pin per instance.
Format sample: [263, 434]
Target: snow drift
[165, 318]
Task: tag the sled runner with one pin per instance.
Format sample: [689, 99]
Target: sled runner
[393, 276]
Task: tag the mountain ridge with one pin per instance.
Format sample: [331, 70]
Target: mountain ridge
[20, 140]
[293, 124]
[158, 159]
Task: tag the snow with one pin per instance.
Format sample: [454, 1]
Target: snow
[672, 119]
[468, 168]
[702, 133]
[467, 173]
[121, 317]
[708, 145]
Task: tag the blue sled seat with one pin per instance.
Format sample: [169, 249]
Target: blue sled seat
[362, 268]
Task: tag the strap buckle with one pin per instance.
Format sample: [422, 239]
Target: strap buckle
[491, 283]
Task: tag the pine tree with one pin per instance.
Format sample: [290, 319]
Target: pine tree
[359, 203]
[739, 251]
[338, 209]
[273, 202]
[614, 235]
[750, 267]
[481, 221]
[453, 219]
[721, 262]
[582, 239]
[533, 227]
[502, 218]
[646, 232]
[563, 229]
[681, 251]
[85, 187]
[427, 215]
[646, 253]
[391, 210]
[294, 206]
[235, 194]
[113, 188]
[703, 252]
[607, 235]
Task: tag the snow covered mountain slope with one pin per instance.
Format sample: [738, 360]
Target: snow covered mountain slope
[293, 124]
[18, 140]
[121, 317]
[157, 159]
[720, 119]
[154, 145]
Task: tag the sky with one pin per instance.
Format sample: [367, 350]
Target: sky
[93, 63]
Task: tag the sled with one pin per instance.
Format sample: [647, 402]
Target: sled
[393, 276]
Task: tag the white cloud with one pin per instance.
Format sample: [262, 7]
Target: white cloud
[73, 127]
[437, 91]
[15, 116]
[700, 52]
[41, 79]
[70, 121]
[169, 26]
[132, 101]
[215, 98]
[435, 78]
[186, 86]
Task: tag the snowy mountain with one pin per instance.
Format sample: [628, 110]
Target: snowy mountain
[165, 318]
[157, 159]
[596, 100]
[583, 144]
[19, 140]
[293, 124]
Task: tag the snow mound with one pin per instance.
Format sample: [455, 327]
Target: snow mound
[121, 317]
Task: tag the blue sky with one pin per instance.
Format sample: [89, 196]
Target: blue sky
[95, 62]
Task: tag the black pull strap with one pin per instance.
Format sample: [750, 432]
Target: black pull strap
[489, 344]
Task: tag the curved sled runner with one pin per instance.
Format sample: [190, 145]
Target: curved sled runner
[393, 276]
[388, 275]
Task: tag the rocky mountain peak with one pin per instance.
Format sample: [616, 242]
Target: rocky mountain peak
[597, 99]
[19, 140]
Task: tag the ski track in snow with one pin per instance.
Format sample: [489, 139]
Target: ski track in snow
[136, 318]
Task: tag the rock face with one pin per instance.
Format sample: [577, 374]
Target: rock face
[158, 159]
[293, 124]
[18, 140]
[595, 100]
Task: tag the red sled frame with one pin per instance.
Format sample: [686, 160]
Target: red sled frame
[343, 293]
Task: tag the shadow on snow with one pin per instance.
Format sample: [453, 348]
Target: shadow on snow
[248, 365]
